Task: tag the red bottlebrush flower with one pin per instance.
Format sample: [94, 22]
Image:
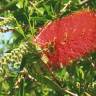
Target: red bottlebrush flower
[69, 38]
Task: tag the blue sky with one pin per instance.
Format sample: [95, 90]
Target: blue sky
[5, 36]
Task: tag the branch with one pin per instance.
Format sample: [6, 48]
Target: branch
[66, 6]
[70, 93]
[6, 30]
[83, 1]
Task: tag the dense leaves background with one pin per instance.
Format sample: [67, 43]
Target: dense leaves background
[22, 71]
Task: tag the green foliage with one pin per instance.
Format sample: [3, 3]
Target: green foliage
[31, 77]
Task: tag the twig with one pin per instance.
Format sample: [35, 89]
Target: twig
[66, 6]
[25, 73]
[70, 93]
[83, 1]
[7, 30]
[87, 94]
[56, 80]
[58, 83]
[34, 5]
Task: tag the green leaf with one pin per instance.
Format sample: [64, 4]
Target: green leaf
[19, 28]
[20, 4]
[50, 83]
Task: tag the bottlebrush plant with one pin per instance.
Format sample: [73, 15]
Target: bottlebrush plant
[69, 38]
